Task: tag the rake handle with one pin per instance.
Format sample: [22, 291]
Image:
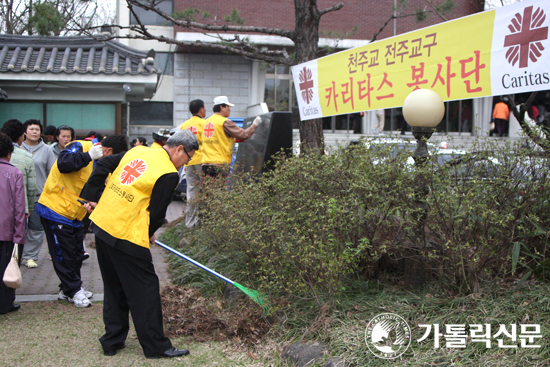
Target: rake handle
[166, 247]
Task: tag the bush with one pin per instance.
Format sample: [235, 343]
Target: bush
[316, 221]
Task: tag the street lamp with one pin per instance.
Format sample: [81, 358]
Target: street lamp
[423, 109]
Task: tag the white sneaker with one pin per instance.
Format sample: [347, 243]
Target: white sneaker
[62, 297]
[80, 300]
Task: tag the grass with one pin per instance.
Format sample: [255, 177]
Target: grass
[59, 334]
[341, 323]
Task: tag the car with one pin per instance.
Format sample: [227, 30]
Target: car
[390, 148]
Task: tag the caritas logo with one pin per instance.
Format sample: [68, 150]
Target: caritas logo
[524, 42]
[306, 84]
[193, 129]
[132, 171]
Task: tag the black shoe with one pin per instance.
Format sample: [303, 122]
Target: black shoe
[172, 352]
[86, 256]
[16, 307]
[110, 353]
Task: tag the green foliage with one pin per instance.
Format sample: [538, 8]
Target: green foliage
[46, 20]
[188, 14]
[447, 5]
[234, 17]
[315, 222]
[421, 15]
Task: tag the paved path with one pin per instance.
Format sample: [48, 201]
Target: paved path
[42, 284]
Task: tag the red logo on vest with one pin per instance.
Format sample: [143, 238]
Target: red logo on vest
[306, 84]
[208, 130]
[132, 171]
[525, 41]
[193, 129]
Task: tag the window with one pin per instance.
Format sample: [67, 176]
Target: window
[83, 116]
[458, 118]
[278, 88]
[165, 62]
[21, 111]
[151, 18]
[152, 113]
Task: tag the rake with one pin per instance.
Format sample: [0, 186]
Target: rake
[259, 298]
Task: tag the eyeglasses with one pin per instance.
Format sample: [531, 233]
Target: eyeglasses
[187, 154]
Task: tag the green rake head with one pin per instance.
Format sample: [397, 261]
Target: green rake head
[259, 298]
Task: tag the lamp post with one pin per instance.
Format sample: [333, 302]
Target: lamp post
[423, 109]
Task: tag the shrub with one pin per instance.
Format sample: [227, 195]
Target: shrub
[315, 221]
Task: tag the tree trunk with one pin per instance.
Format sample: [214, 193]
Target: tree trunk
[306, 40]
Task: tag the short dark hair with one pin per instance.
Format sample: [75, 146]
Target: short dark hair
[14, 129]
[50, 130]
[6, 147]
[195, 106]
[64, 127]
[218, 107]
[118, 142]
[33, 122]
[142, 140]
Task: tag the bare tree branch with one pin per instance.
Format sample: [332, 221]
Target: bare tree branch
[243, 49]
[332, 8]
[437, 10]
[530, 132]
[210, 27]
[387, 22]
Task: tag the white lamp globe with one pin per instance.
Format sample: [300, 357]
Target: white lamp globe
[423, 108]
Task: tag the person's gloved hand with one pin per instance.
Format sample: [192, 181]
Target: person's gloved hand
[96, 152]
[257, 121]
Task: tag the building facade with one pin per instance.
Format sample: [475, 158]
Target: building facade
[83, 82]
[203, 73]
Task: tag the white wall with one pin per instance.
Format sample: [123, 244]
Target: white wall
[211, 76]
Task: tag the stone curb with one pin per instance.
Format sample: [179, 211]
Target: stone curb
[98, 297]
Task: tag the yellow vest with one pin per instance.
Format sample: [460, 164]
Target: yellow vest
[195, 124]
[123, 210]
[217, 148]
[156, 145]
[62, 189]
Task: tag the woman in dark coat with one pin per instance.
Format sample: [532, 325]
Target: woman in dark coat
[12, 218]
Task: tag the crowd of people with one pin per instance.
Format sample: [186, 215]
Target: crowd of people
[60, 188]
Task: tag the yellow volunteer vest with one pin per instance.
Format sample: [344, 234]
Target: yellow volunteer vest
[123, 210]
[156, 145]
[217, 148]
[62, 189]
[195, 124]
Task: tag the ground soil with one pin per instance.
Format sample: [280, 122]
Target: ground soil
[187, 312]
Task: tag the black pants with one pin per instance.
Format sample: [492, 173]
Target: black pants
[7, 295]
[500, 125]
[130, 285]
[65, 245]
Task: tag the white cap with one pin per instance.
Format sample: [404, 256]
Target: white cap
[222, 100]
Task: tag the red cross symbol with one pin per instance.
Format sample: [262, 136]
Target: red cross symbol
[132, 171]
[306, 84]
[193, 129]
[209, 130]
[524, 42]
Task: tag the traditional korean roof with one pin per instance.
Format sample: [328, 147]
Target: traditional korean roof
[71, 55]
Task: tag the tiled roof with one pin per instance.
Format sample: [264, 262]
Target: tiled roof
[75, 54]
